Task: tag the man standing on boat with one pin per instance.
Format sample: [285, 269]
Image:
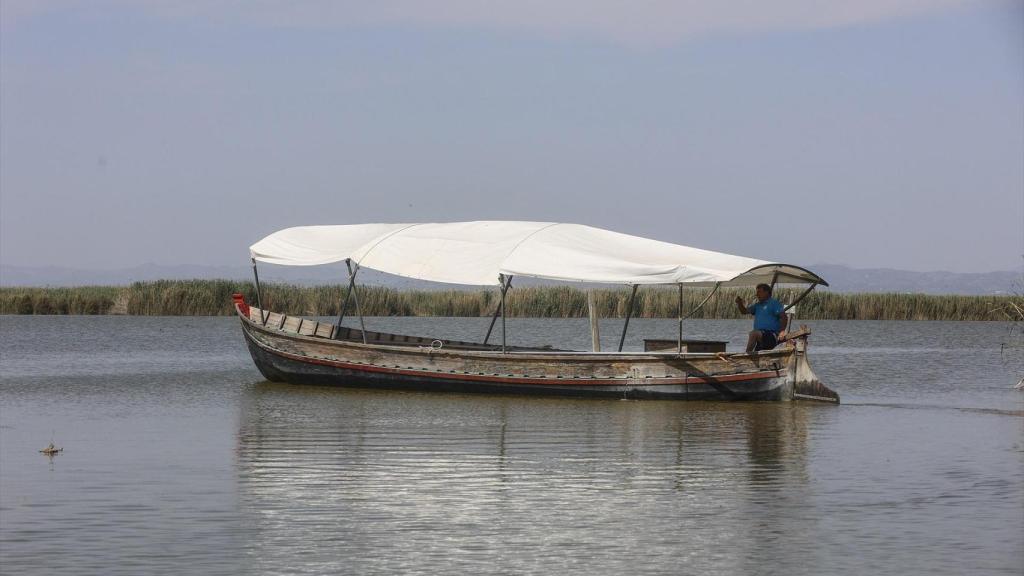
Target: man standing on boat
[769, 319]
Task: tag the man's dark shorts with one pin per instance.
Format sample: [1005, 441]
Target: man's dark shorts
[769, 340]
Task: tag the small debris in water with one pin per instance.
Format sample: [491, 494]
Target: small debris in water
[51, 450]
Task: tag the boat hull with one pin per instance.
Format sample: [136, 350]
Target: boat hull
[283, 355]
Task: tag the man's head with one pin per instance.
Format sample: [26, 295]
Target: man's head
[764, 292]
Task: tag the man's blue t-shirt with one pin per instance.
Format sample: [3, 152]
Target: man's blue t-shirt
[766, 314]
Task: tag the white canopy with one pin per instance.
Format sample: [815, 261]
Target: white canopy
[476, 253]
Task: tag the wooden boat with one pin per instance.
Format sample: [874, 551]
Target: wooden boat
[300, 350]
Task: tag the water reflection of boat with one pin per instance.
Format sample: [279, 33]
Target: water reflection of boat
[292, 349]
[422, 480]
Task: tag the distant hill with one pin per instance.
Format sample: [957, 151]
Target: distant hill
[59, 276]
[301, 275]
[845, 279]
[840, 278]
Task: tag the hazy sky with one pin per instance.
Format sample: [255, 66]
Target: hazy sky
[871, 133]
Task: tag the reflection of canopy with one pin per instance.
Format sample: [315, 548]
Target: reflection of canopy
[477, 252]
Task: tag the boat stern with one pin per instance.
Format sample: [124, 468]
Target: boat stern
[804, 382]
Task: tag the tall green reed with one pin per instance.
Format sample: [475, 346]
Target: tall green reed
[213, 297]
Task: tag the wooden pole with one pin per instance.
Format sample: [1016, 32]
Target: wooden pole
[259, 296]
[595, 331]
[679, 342]
[629, 312]
[348, 295]
[502, 319]
[497, 309]
[355, 297]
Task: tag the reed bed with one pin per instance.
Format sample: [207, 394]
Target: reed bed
[213, 298]
[79, 300]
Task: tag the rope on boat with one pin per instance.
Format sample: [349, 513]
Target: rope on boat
[434, 345]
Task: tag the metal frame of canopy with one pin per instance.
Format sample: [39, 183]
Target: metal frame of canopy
[505, 283]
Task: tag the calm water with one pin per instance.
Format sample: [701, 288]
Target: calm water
[179, 459]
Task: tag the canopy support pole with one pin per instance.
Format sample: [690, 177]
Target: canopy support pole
[800, 297]
[595, 328]
[259, 296]
[348, 295]
[775, 278]
[501, 278]
[694, 311]
[497, 309]
[629, 312]
[704, 301]
[679, 342]
[355, 297]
